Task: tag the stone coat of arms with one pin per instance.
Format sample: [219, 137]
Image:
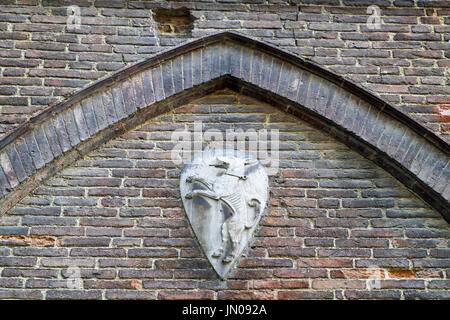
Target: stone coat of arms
[224, 194]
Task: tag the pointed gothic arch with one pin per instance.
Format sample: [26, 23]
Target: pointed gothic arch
[66, 131]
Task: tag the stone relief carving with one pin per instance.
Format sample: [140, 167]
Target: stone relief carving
[224, 194]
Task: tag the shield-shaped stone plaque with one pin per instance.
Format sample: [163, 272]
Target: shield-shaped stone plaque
[224, 194]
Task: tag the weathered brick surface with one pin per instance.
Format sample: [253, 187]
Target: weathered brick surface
[80, 121]
[117, 216]
[406, 60]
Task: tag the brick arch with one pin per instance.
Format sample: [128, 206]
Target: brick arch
[66, 131]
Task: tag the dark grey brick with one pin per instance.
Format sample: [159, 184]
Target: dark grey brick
[432, 176]
[346, 109]
[225, 59]
[378, 129]
[206, 63]
[149, 95]
[20, 294]
[5, 187]
[214, 62]
[285, 79]
[39, 211]
[85, 242]
[61, 133]
[235, 52]
[166, 70]
[396, 139]
[337, 105]
[158, 83]
[128, 97]
[25, 157]
[177, 72]
[118, 102]
[370, 123]
[34, 150]
[383, 263]
[428, 165]
[110, 111]
[421, 158]
[43, 144]
[17, 262]
[46, 220]
[138, 92]
[429, 295]
[267, 64]
[407, 139]
[431, 263]
[16, 163]
[412, 152]
[443, 179]
[187, 71]
[246, 64]
[40, 252]
[390, 126]
[275, 75]
[17, 231]
[196, 68]
[325, 97]
[356, 114]
[80, 121]
[255, 77]
[52, 138]
[73, 294]
[99, 110]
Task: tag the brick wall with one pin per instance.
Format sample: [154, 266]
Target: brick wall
[406, 61]
[115, 217]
